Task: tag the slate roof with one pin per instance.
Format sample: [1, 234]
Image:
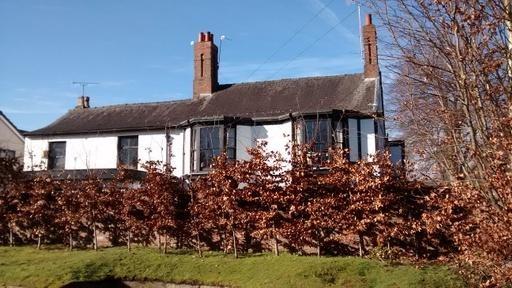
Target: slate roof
[257, 100]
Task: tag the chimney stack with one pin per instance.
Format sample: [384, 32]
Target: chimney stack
[371, 58]
[206, 66]
[82, 102]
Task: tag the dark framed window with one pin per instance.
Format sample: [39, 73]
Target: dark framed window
[6, 153]
[210, 146]
[231, 143]
[209, 142]
[317, 133]
[128, 151]
[57, 156]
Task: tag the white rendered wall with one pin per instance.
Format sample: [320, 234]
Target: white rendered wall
[368, 144]
[277, 136]
[152, 147]
[93, 152]
[177, 153]
[100, 151]
[33, 154]
[187, 154]
[90, 152]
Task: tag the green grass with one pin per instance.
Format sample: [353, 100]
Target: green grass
[28, 267]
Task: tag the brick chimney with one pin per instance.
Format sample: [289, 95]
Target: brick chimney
[371, 58]
[82, 102]
[206, 66]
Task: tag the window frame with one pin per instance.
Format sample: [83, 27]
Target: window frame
[224, 145]
[120, 163]
[317, 158]
[52, 158]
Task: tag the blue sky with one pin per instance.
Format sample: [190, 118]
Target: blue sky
[139, 51]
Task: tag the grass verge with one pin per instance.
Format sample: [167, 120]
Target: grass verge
[28, 267]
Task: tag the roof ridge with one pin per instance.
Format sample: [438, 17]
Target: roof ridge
[292, 79]
[135, 104]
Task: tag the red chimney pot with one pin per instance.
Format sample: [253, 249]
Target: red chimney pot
[368, 19]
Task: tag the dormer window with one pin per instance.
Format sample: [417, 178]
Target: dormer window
[209, 142]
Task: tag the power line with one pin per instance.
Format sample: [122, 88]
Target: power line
[289, 39]
[312, 44]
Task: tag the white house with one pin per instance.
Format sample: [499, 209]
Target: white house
[343, 110]
[11, 139]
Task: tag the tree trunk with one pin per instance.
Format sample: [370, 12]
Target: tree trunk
[276, 242]
[38, 241]
[95, 238]
[165, 244]
[11, 238]
[318, 247]
[225, 242]
[199, 245]
[234, 243]
[70, 242]
[128, 242]
[159, 241]
[361, 245]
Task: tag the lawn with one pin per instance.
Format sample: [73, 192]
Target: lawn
[28, 267]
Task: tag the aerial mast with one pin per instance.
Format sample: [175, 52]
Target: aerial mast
[84, 84]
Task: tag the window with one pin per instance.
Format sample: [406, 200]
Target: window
[209, 142]
[316, 133]
[231, 143]
[5, 153]
[57, 156]
[127, 151]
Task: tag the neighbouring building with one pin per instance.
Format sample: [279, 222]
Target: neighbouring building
[11, 139]
[342, 110]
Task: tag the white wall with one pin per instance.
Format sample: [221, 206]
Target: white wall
[100, 151]
[278, 136]
[187, 154]
[152, 147]
[368, 144]
[177, 154]
[33, 154]
[93, 151]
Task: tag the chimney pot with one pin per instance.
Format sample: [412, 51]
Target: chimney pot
[368, 19]
[82, 102]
